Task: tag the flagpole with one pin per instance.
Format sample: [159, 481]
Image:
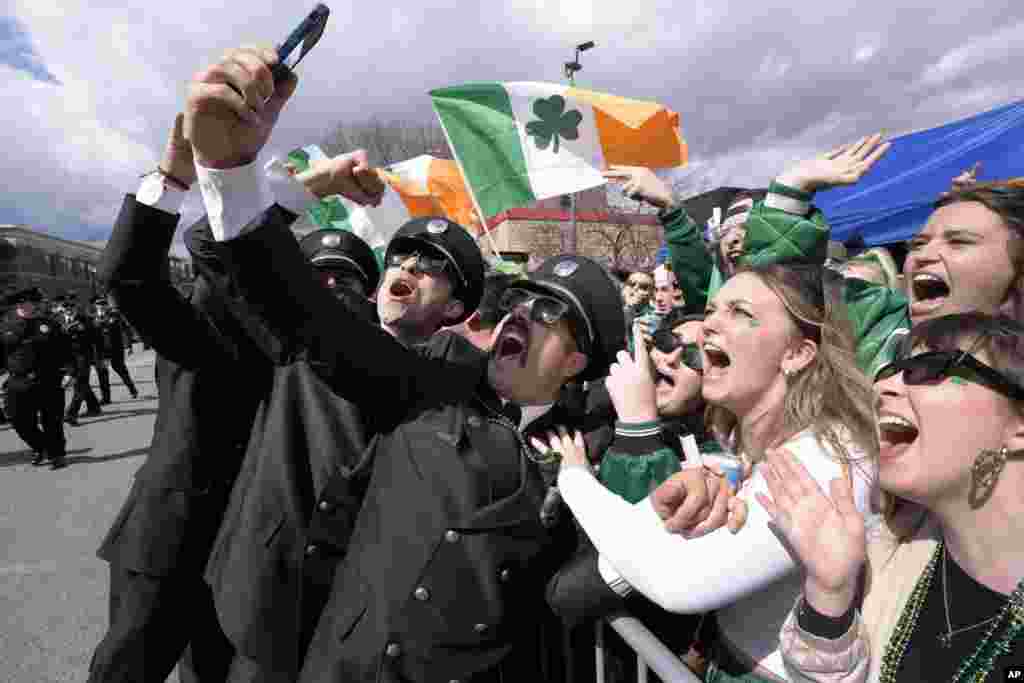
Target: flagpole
[570, 71]
[472, 195]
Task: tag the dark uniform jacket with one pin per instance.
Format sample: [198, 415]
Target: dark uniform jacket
[36, 350]
[211, 380]
[83, 336]
[448, 558]
[112, 335]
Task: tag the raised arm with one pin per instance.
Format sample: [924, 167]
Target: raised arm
[134, 265]
[227, 131]
[689, 575]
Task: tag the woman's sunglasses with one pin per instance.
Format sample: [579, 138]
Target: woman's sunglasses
[933, 366]
[667, 342]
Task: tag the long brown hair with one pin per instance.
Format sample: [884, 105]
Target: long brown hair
[831, 395]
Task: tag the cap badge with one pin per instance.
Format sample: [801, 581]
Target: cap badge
[44, 328]
[331, 240]
[437, 227]
[566, 268]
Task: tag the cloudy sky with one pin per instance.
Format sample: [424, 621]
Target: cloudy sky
[88, 88]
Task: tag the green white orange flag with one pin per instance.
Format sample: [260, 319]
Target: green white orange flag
[422, 186]
[521, 142]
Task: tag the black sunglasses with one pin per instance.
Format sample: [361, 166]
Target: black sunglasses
[429, 265]
[936, 365]
[667, 342]
[544, 309]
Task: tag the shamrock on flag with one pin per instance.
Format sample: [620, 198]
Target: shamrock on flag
[520, 142]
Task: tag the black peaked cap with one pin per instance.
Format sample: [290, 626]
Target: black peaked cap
[588, 288]
[340, 248]
[458, 246]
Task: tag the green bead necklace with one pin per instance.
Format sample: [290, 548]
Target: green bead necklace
[978, 666]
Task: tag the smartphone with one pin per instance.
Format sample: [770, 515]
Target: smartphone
[307, 34]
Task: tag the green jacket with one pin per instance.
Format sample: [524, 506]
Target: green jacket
[880, 318]
[773, 236]
[640, 458]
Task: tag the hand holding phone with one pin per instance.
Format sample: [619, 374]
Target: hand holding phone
[308, 34]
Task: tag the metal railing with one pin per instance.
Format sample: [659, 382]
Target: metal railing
[651, 653]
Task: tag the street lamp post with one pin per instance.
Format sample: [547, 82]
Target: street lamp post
[571, 69]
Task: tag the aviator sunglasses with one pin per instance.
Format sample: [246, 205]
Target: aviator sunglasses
[667, 342]
[933, 366]
[428, 265]
[543, 309]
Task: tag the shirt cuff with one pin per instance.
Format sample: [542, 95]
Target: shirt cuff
[788, 199]
[233, 197]
[154, 192]
[613, 578]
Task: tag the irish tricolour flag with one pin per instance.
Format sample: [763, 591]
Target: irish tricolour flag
[421, 186]
[520, 142]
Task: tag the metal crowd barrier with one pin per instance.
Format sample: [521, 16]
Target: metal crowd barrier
[651, 653]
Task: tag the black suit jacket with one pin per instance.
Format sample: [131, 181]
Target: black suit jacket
[444, 579]
[211, 380]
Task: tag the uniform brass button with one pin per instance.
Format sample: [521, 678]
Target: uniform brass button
[455, 680]
[421, 594]
[480, 628]
[505, 575]
[393, 650]
[311, 549]
[473, 421]
[324, 506]
[452, 536]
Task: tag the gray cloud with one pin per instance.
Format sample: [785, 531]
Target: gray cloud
[756, 84]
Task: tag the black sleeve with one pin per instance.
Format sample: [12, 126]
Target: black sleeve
[132, 267]
[578, 593]
[822, 625]
[367, 365]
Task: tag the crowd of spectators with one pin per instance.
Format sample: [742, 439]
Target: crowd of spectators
[383, 505]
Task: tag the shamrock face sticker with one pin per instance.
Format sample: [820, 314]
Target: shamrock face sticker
[554, 122]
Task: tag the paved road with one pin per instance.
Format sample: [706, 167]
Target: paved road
[53, 588]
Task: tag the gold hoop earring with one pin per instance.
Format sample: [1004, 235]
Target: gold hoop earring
[985, 475]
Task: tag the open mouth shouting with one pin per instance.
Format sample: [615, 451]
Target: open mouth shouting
[513, 344]
[928, 293]
[402, 289]
[716, 361]
[895, 434]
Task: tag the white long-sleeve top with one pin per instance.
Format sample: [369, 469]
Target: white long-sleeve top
[748, 577]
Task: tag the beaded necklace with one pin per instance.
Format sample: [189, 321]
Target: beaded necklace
[975, 668]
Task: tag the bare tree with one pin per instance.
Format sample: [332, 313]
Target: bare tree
[388, 142]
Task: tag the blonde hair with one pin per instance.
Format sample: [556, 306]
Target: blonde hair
[831, 395]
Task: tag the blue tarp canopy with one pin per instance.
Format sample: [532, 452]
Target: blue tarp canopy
[893, 201]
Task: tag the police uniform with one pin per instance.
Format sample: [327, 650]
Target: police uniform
[81, 332]
[36, 352]
[339, 255]
[448, 557]
[305, 472]
[112, 333]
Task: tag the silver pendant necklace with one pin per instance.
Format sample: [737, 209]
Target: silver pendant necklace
[946, 639]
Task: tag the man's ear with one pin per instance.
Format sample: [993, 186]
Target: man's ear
[800, 356]
[453, 310]
[576, 363]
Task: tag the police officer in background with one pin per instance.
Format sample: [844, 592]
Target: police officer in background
[346, 266]
[36, 351]
[112, 334]
[81, 330]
